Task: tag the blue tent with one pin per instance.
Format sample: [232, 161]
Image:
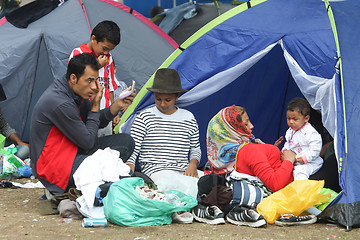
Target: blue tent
[261, 54]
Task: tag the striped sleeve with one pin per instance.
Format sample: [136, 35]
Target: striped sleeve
[137, 132]
[113, 82]
[195, 151]
[165, 142]
[5, 128]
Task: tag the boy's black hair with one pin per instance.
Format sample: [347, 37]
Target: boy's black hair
[78, 64]
[107, 30]
[300, 105]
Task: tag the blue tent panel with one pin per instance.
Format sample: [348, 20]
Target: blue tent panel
[304, 62]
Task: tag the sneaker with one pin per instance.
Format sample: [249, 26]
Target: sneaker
[208, 214]
[291, 220]
[245, 216]
[182, 217]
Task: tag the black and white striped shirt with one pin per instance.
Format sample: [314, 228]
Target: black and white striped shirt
[165, 142]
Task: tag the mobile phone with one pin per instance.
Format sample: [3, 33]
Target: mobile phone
[132, 86]
[128, 93]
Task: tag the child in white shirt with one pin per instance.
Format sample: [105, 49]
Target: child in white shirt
[302, 139]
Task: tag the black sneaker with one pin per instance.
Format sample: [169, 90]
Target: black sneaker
[208, 214]
[291, 220]
[245, 216]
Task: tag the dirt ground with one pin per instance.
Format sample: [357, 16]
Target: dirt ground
[20, 219]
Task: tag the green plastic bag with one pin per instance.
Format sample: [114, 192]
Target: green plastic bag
[10, 162]
[125, 207]
[333, 195]
[2, 141]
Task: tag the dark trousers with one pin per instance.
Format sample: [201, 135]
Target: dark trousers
[122, 142]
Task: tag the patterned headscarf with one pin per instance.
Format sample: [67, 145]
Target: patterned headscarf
[225, 134]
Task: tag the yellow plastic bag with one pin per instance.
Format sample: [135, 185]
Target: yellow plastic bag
[295, 198]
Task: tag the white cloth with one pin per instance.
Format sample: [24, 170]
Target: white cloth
[86, 211]
[98, 168]
[29, 185]
[307, 143]
[234, 175]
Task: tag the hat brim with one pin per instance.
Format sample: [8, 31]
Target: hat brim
[157, 90]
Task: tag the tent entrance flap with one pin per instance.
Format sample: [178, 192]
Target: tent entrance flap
[221, 79]
[274, 84]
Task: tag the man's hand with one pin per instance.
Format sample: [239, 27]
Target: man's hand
[277, 143]
[122, 104]
[192, 168]
[14, 137]
[102, 59]
[96, 98]
[128, 100]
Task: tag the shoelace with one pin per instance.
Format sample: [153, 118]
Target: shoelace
[288, 216]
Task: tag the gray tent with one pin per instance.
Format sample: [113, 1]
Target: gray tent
[30, 58]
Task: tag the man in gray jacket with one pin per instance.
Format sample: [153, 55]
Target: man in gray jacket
[65, 123]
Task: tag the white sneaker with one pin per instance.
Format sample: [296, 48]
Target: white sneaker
[182, 217]
[290, 220]
[245, 216]
[208, 214]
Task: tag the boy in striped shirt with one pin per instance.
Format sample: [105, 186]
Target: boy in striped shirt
[167, 141]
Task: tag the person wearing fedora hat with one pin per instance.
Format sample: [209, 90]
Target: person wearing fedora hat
[167, 137]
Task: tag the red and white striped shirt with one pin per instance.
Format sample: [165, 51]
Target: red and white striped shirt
[107, 76]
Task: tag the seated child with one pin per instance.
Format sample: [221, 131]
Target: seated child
[302, 139]
[167, 139]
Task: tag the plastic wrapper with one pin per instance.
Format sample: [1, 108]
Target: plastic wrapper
[10, 162]
[125, 207]
[294, 199]
[333, 195]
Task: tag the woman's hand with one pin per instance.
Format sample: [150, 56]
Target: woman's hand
[192, 168]
[277, 143]
[288, 155]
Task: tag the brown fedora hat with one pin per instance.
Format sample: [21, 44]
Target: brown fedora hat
[167, 80]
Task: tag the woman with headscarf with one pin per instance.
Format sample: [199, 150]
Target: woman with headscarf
[254, 168]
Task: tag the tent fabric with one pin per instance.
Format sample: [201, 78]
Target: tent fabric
[184, 28]
[259, 56]
[346, 207]
[31, 12]
[30, 58]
